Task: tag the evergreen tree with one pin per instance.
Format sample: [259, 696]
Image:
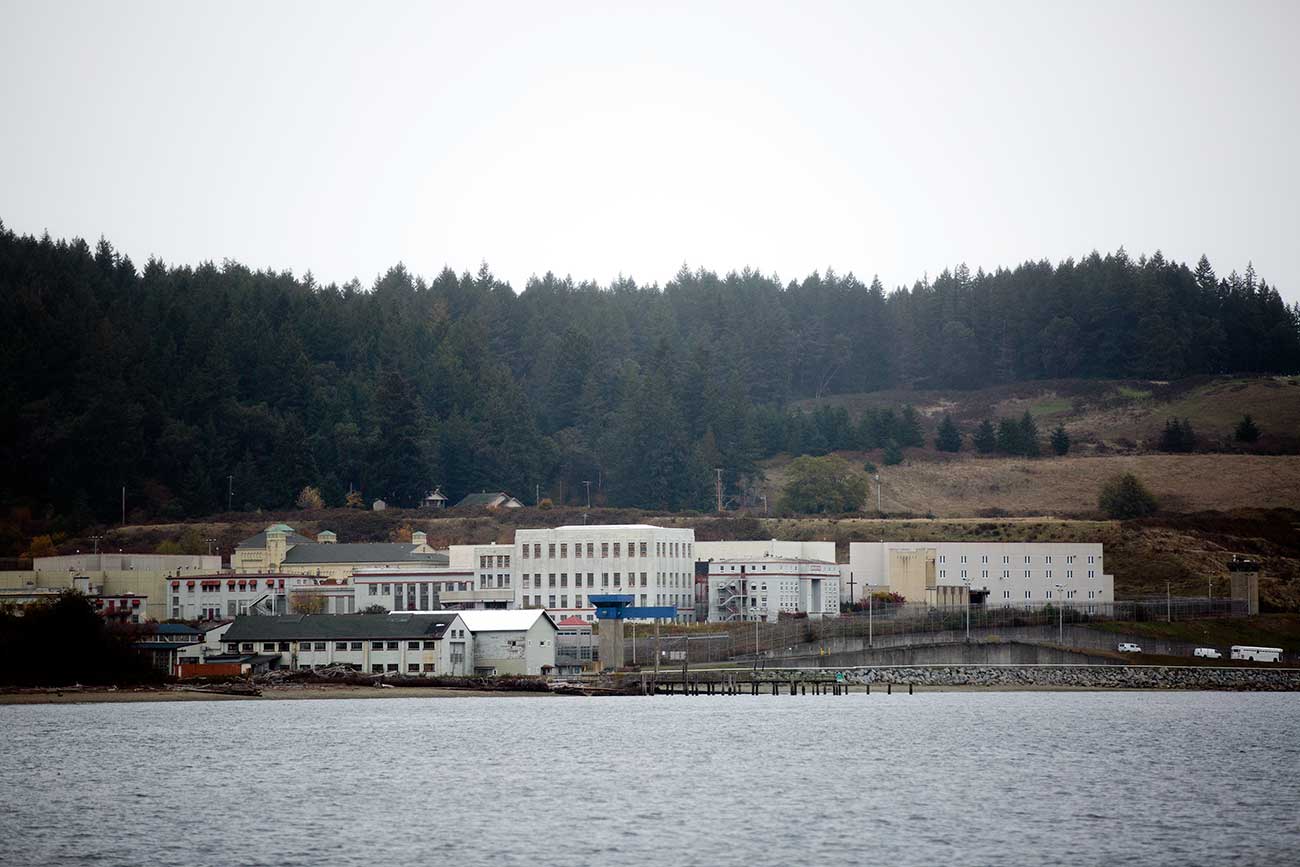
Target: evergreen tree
[171, 380]
[985, 438]
[1060, 440]
[1010, 437]
[1029, 445]
[909, 428]
[893, 454]
[949, 437]
[1246, 431]
[1177, 436]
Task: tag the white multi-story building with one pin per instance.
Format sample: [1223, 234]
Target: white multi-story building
[560, 569]
[764, 588]
[1002, 574]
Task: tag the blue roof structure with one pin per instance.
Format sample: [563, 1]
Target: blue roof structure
[618, 606]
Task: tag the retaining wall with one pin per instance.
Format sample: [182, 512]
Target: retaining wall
[1084, 676]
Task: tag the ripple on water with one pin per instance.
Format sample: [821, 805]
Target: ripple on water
[953, 778]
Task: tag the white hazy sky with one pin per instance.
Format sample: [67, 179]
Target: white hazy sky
[599, 139]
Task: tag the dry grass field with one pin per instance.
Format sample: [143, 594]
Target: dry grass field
[1113, 415]
[965, 485]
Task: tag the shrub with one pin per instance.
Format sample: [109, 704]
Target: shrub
[1124, 497]
[309, 499]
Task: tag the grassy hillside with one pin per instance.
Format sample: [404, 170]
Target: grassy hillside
[1109, 416]
[930, 483]
[1183, 550]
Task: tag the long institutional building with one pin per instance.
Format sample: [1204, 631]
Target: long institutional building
[995, 574]
[280, 571]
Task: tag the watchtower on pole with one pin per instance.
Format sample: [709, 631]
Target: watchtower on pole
[611, 611]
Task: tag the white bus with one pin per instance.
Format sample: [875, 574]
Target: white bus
[1258, 654]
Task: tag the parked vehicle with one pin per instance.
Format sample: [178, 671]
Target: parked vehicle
[1125, 647]
[1256, 654]
[1207, 653]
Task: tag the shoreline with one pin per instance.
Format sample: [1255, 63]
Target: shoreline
[109, 695]
[348, 692]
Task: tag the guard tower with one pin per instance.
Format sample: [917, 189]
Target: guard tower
[611, 611]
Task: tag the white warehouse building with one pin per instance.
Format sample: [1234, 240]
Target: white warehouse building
[1001, 574]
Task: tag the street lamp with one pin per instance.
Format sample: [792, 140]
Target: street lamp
[1060, 617]
[966, 582]
[870, 599]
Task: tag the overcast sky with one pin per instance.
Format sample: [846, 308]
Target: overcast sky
[594, 140]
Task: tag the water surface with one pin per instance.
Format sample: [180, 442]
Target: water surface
[951, 778]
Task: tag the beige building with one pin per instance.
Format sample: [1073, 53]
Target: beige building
[134, 576]
[281, 549]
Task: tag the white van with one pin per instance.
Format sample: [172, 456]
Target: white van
[1129, 648]
[1256, 654]
[1207, 653]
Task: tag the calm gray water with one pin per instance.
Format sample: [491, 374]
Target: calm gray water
[952, 778]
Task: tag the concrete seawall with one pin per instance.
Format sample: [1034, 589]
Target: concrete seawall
[1083, 676]
[951, 653]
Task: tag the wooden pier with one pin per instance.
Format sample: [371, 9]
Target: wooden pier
[747, 683]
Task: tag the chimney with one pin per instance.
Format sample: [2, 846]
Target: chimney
[419, 538]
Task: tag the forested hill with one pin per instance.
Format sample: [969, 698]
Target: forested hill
[169, 380]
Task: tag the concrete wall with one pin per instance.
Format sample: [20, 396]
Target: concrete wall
[958, 653]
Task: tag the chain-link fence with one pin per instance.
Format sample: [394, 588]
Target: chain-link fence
[902, 623]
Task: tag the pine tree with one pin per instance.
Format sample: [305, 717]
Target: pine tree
[909, 429]
[1010, 437]
[986, 438]
[1060, 440]
[893, 454]
[949, 437]
[1177, 436]
[1029, 444]
[1246, 431]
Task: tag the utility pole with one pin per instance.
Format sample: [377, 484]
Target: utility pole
[966, 582]
[124, 505]
[1060, 618]
[210, 542]
[537, 495]
[718, 470]
[878, 493]
[588, 484]
[230, 493]
[870, 636]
